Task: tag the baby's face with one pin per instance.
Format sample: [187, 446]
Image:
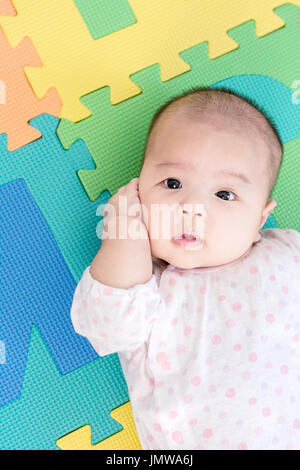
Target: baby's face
[187, 169]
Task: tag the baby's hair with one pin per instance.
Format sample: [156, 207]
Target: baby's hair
[236, 108]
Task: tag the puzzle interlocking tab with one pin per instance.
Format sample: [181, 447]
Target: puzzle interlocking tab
[162, 31]
[21, 104]
[127, 439]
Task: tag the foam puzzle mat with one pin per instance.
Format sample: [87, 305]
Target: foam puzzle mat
[79, 83]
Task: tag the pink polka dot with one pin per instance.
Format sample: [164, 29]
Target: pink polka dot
[272, 278]
[253, 313]
[161, 357]
[149, 438]
[246, 375]
[174, 321]
[216, 339]
[252, 401]
[252, 357]
[259, 430]
[266, 412]
[285, 289]
[172, 414]
[207, 433]
[230, 322]
[236, 306]
[96, 301]
[222, 415]
[131, 309]
[270, 318]
[157, 427]
[203, 289]
[196, 380]
[172, 281]
[94, 321]
[242, 446]
[249, 288]
[108, 291]
[193, 422]
[253, 270]
[297, 259]
[152, 381]
[296, 424]
[188, 398]
[221, 297]
[180, 349]
[284, 369]
[177, 437]
[187, 330]
[230, 392]
[224, 441]
[237, 347]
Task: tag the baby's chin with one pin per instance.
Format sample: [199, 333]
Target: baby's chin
[181, 261]
[187, 257]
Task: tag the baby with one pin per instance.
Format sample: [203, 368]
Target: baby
[205, 317]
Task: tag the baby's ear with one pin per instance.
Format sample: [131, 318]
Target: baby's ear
[270, 206]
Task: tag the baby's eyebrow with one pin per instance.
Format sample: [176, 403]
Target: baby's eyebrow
[183, 166]
[241, 176]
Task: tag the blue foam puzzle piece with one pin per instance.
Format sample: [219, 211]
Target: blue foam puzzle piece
[36, 287]
[50, 174]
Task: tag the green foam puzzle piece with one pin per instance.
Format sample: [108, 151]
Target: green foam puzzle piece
[104, 17]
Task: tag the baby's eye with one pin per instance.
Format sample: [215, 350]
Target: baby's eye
[171, 183]
[225, 193]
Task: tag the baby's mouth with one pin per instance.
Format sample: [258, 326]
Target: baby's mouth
[183, 239]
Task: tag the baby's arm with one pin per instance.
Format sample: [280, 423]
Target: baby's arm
[117, 299]
[126, 262]
[114, 319]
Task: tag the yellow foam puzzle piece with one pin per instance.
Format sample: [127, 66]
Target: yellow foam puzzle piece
[127, 439]
[76, 64]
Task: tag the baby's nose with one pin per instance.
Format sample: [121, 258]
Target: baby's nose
[192, 209]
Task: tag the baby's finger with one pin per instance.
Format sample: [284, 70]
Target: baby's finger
[132, 185]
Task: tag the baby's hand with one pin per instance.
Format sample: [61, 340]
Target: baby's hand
[124, 258]
[126, 202]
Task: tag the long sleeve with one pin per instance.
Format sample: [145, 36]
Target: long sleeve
[115, 319]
